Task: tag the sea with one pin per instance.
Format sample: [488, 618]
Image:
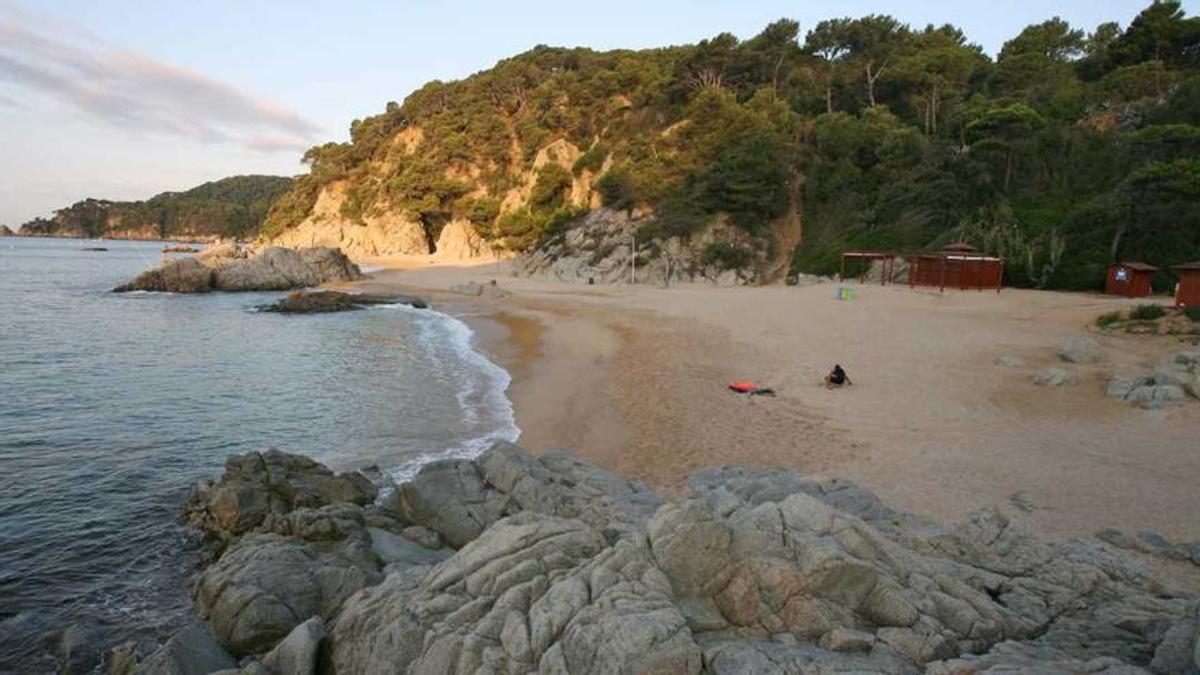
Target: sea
[113, 405]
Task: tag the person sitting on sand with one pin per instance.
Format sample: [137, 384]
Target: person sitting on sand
[836, 377]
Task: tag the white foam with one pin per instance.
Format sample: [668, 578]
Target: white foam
[371, 269]
[481, 396]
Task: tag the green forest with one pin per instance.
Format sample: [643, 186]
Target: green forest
[1073, 147]
[232, 207]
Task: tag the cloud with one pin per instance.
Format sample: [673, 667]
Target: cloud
[140, 94]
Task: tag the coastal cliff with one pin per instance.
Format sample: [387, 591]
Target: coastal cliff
[228, 208]
[511, 563]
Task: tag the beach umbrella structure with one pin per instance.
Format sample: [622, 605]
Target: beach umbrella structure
[958, 265]
[1130, 279]
[886, 259]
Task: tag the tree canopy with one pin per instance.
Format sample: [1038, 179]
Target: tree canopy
[879, 134]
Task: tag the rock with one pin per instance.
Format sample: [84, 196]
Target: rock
[78, 649]
[459, 240]
[458, 499]
[314, 302]
[1053, 377]
[1171, 374]
[191, 651]
[258, 484]
[5, 231]
[846, 640]
[1193, 383]
[1156, 396]
[1188, 358]
[266, 584]
[1009, 362]
[188, 275]
[123, 659]
[1079, 349]
[450, 498]
[222, 269]
[224, 250]
[423, 536]
[476, 289]
[392, 548]
[1120, 386]
[470, 288]
[1152, 543]
[562, 567]
[180, 249]
[297, 654]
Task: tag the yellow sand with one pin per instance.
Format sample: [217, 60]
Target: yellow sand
[634, 379]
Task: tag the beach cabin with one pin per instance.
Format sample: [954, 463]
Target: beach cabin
[959, 265]
[1130, 279]
[1188, 292]
[887, 264]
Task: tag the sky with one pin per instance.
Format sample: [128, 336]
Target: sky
[122, 99]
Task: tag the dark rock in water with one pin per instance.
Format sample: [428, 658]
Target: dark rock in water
[316, 302]
[79, 649]
[94, 248]
[190, 651]
[227, 268]
[259, 484]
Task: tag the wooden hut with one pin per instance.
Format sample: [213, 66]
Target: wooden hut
[887, 264]
[959, 265]
[1130, 279]
[1188, 292]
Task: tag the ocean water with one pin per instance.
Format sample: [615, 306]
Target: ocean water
[112, 405]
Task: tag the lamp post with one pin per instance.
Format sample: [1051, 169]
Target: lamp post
[632, 258]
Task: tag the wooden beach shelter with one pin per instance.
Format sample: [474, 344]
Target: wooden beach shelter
[1130, 279]
[887, 264]
[1188, 293]
[959, 265]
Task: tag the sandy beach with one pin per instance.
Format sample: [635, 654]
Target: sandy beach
[634, 379]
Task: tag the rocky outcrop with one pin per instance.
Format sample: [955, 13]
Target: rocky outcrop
[305, 302]
[6, 232]
[259, 485]
[597, 248]
[562, 567]
[1171, 382]
[191, 651]
[460, 241]
[229, 268]
[478, 290]
[1079, 349]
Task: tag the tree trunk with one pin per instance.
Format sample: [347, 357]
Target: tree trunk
[936, 104]
[870, 86]
[829, 97]
[1008, 163]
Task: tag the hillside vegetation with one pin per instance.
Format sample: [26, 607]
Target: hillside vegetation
[228, 208]
[1068, 150]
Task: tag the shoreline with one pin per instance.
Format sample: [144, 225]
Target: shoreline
[633, 380]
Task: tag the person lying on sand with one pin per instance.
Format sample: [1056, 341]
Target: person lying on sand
[837, 377]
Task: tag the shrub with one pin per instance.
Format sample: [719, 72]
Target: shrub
[1147, 312]
[1106, 320]
[1192, 313]
[727, 256]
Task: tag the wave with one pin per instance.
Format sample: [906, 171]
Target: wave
[481, 390]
